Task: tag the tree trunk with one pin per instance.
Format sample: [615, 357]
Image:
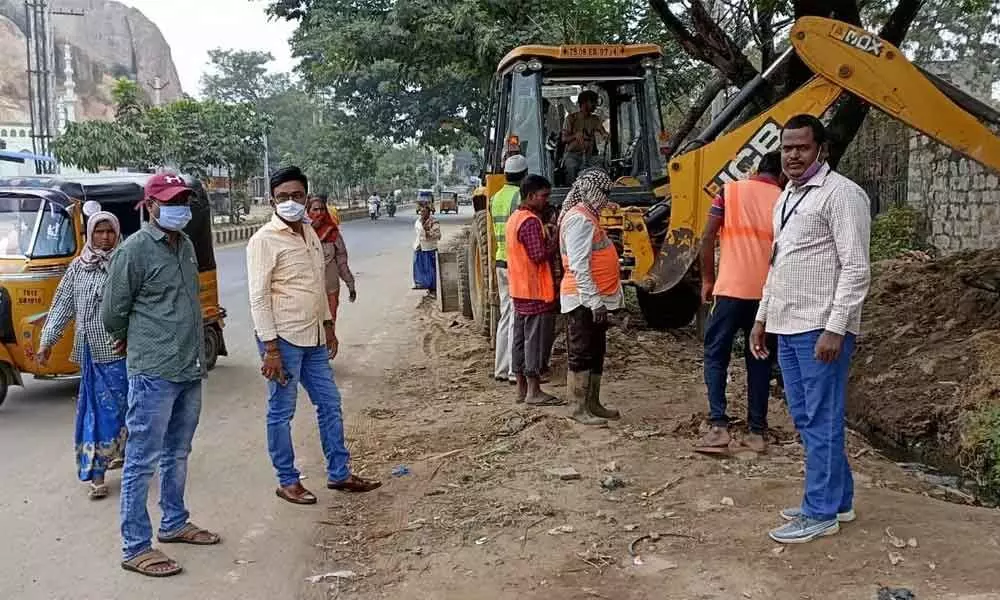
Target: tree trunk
[694, 114]
[851, 113]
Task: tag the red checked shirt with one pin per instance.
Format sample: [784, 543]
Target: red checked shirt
[540, 248]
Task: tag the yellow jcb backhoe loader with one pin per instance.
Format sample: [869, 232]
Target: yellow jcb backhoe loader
[663, 211]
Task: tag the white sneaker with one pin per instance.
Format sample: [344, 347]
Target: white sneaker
[790, 514]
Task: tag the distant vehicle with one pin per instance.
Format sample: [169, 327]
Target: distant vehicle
[449, 202]
[464, 200]
[425, 198]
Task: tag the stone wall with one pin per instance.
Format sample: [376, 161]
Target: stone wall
[958, 198]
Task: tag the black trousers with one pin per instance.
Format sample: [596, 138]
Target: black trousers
[530, 336]
[588, 341]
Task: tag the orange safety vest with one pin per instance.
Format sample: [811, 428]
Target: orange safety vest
[528, 280]
[603, 261]
[746, 239]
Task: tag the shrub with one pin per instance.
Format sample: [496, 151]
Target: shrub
[895, 232]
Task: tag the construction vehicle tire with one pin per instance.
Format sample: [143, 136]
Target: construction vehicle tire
[464, 283]
[477, 262]
[672, 309]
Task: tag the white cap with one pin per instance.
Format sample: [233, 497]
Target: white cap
[515, 164]
[91, 207]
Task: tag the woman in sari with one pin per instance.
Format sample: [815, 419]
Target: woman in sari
[334, 256]
[425, 248]
[103, 397]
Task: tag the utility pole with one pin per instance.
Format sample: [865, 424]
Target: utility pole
[40, 40]
[158, 85]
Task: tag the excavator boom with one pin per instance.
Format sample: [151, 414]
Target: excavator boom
[844, 58]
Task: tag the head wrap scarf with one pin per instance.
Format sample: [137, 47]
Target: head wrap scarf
[326, 227]
[93, 258]
[591, 188]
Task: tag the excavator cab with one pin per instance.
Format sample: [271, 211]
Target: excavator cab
[537, 87]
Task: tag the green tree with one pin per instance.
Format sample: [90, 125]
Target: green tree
[717, 38]
[406, 68]
[240, 76]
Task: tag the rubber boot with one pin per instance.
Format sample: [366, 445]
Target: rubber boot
[594, 400]
[578, 384]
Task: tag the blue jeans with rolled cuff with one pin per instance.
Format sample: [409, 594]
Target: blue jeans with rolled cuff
[309, 366]
[161, 420]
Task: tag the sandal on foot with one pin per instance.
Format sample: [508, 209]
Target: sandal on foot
[116, 464]
[544, 400]
[296, 494]
[98, 491]
[191, 534]
[147, 563]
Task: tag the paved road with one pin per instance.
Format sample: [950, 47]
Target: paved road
[59, 545]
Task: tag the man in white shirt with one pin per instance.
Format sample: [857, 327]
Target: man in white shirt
[812, 301]
[590, 288]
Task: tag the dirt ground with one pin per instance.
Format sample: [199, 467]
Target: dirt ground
[929, 356]
[478, 515]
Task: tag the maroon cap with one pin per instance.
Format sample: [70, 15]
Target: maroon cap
[166, 187]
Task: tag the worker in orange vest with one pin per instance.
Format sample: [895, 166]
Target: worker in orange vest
[741, 218]
[532, 290]
[591, 287]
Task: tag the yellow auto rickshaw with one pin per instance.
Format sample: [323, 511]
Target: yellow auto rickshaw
[42, 229]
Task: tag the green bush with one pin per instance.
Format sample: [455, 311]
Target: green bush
[980, 453]
[895, 232]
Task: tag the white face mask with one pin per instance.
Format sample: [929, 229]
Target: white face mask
[290, 210]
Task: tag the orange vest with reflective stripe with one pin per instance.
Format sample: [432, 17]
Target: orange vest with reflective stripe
[746, 239]
[528, 280]
[603, 261]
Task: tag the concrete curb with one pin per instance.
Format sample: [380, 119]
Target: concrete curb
[233, 234]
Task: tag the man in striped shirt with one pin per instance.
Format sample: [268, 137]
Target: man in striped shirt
[812, 301]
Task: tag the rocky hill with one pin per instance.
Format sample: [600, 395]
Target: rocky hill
[111, 40]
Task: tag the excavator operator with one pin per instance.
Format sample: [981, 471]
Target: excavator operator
[580, 133]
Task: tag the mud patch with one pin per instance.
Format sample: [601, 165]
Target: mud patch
[928, 355]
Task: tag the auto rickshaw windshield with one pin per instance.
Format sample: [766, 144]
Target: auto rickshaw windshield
[35, 228]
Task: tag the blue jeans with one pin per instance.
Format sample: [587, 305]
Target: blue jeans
[730, 315]
[310, 367]
[161, 420]
[816, 394]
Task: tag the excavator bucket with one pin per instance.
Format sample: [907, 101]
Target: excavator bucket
[844, 58]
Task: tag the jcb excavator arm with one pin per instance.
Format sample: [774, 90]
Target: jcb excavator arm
[844, 58]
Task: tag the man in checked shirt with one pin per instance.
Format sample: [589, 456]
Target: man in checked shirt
[530, 249]
[812, 301]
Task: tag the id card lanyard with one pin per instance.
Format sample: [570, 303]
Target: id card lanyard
[786, 216]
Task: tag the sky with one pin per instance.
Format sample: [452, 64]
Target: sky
[193, 27]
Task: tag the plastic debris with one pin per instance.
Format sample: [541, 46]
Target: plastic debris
[400, 471]
[333, 575]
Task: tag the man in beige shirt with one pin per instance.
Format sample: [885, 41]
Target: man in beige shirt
[294, 328]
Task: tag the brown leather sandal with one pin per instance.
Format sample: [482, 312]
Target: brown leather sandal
[191, 534]
[146, 563]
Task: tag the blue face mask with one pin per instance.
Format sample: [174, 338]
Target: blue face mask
[174, 218]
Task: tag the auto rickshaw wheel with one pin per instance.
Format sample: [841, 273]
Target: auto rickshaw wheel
[212, 346]
[3, 389]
